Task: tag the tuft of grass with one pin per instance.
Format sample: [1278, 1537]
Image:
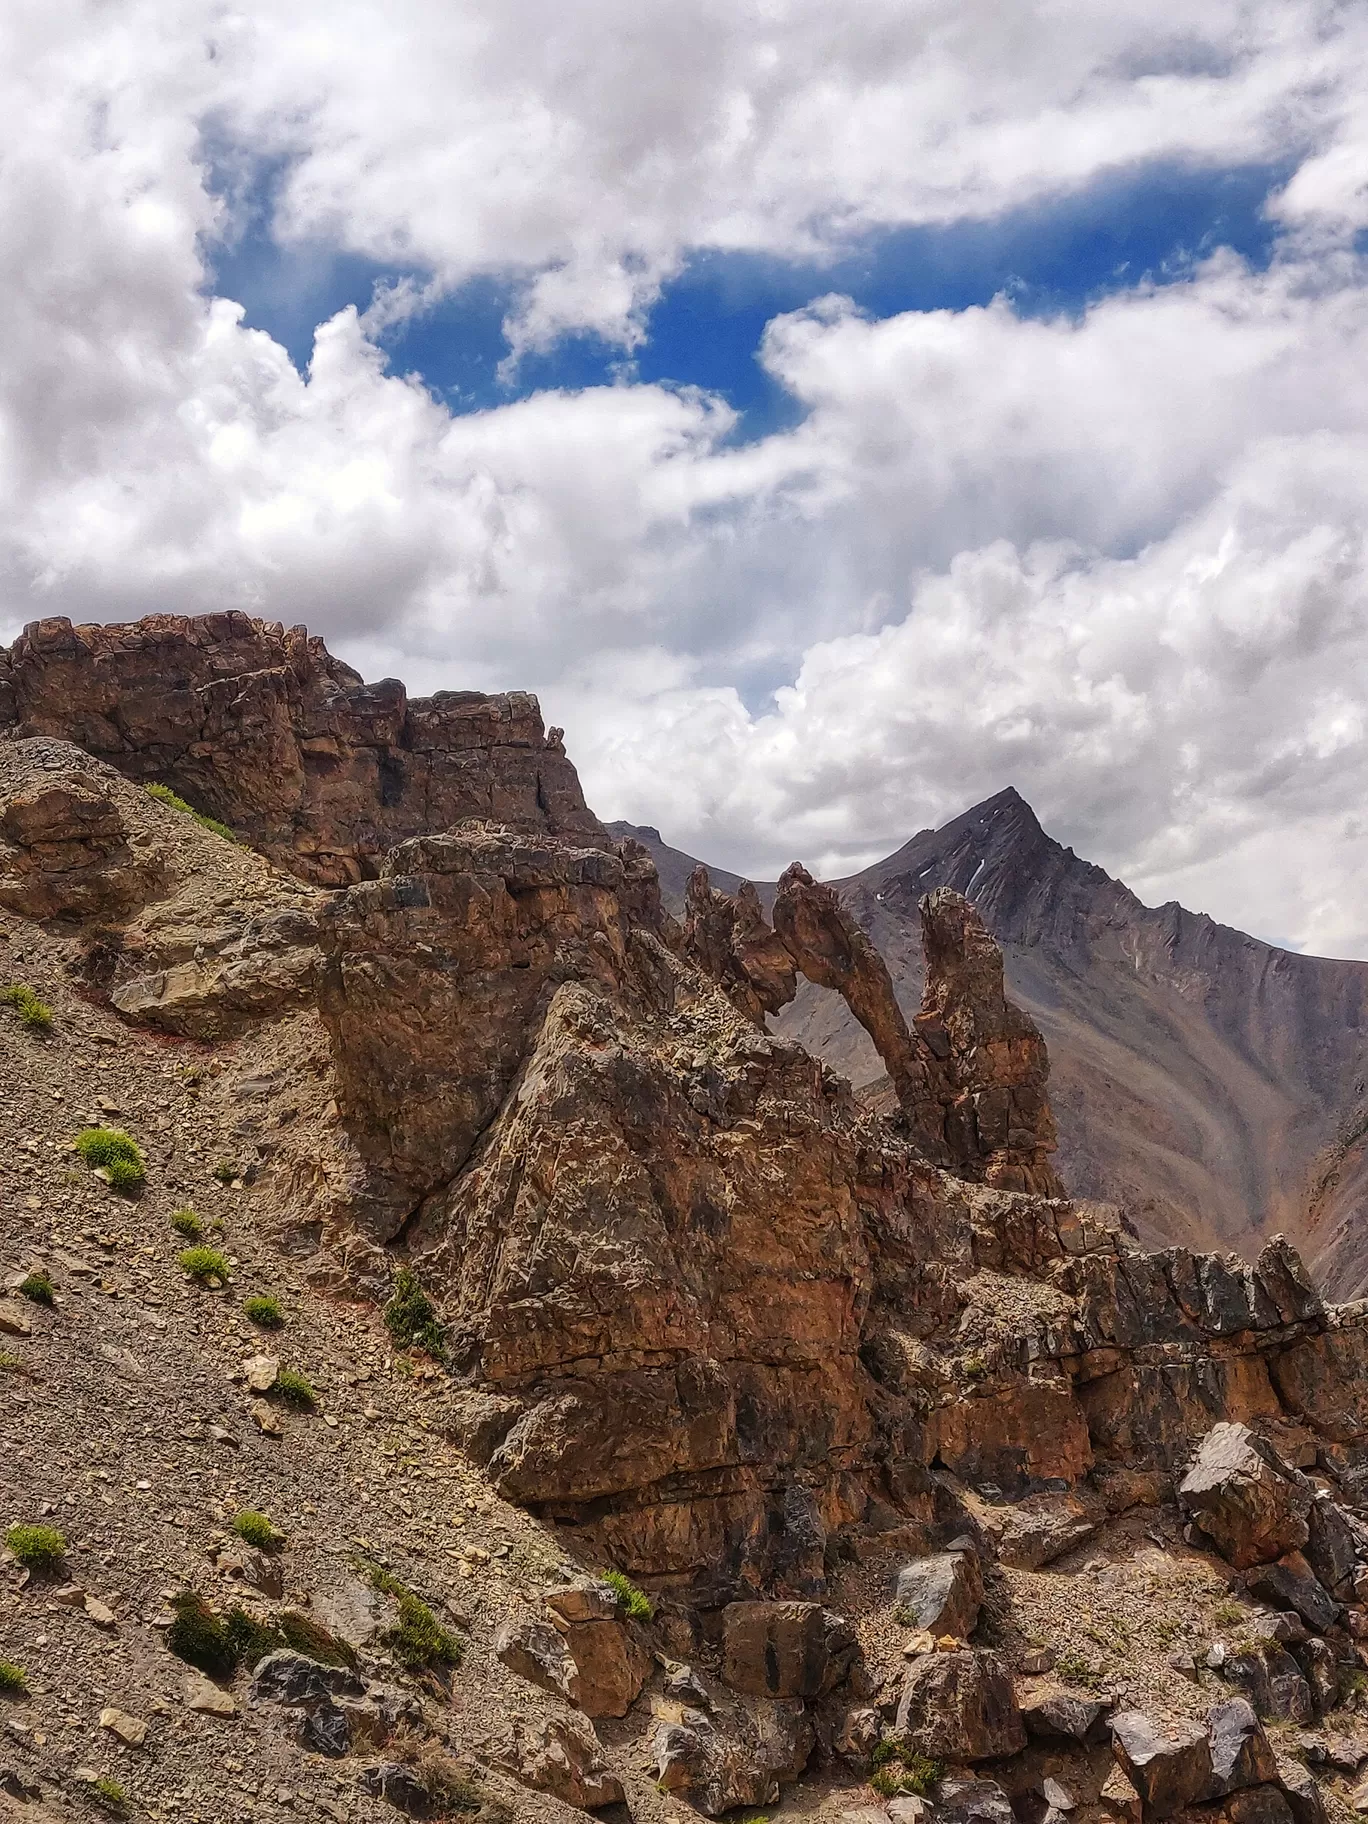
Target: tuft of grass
[204, 1264]
[310, 1637]
[294, 1388]
[218, 1644]
[117, 1154]
[38, 1286]
[10, 1363]
[225, 1171]
[898, 1770]
[40, 1549]
[164, 795]
[187, 1223]
[108, 1793]
[1227, 1614]
[33, 1012]
[451, 1786]
[13, 1679]
[635, 1604]
[264, 1311]
[257, 1530]
[419, 1642]
[411, 1317]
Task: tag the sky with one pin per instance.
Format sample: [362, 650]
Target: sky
[834, 415]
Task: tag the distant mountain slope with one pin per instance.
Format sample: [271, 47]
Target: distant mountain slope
[1212, 1084]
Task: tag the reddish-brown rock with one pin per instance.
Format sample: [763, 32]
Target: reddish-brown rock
[261, 727]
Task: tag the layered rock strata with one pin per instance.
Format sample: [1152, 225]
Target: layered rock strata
[259, 726]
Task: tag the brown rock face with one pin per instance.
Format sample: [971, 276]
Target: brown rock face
[782, 1649]
[960, 1707]
[1245, 1498]
[261, 727]
[437, 976]
[65, 848]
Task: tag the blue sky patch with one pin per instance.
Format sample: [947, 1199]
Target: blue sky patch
[705, 330]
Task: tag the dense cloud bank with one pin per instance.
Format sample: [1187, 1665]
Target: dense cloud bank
[1115, 558]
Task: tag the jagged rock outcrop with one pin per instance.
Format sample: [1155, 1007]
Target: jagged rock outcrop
[970, 1080]
[260, 726]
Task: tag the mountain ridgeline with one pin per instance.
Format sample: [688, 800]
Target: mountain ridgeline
[1212, 1085]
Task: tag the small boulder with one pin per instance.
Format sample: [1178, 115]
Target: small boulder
[1170, 1768]
[610, 1666]
[399, 1786]
[131, 1730]
[589, 1600]
[538, 1652]
[960, 1707]
[200, 1694]
[326, 1730]
[972, 1802]
[261, 1372]
[300, 1683]
[942, 1592]
[1257, 1805]
[782, 1649]
[1240, 1751]
[1290, 1583]
[1057, 1715]
[1250, 1505]
[1331, 1550]
[1302, 1791]
[717, 1763]
[858, 1736]
[561, 1757]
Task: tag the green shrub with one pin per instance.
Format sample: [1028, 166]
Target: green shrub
[38, 1286]
[264, 1311]
[35, 1013]
[411, 1317]
[635, 1604]
[250, 1639]
[204, 1264]
[310, 1637]
[10, 1363]
[13, 1679]
[257, 1530]
[419, 1642]
[186, 1223]
[164, 795]
[225, 1171]
[108, 1793]
[898, 1770]
[294, 1388]
[116, 1153]
[39, 1549]
[200, 1637]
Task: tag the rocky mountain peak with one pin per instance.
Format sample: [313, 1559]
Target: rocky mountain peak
[460, 1361]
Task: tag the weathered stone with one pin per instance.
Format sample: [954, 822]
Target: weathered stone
[399, 1786]
[1257, 1805]
[1321, 1671]
[1302, 1791]
[976, 1801]
[1240, 1751]
[741, 1759]
[610, 1666]
[942, 1592]
[292, 1679]
[1036, 1531]
[537, 1651]
[479, 1421]
[1056, 1715]
[13, 1322]
[858, 1736]
[200, 1694]
[589, 1600]
[326, 1730]
[1119, 1798]
[263, 728]
[1169, 1768]
[960, 1707]
[782, 1649]
[1331, 1550]
[129, 1729]
[561, 1757]
[1244, 1498]
[1292, 1584]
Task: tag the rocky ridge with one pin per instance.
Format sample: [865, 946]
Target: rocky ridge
[1212, 1085]
[753, 1447]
